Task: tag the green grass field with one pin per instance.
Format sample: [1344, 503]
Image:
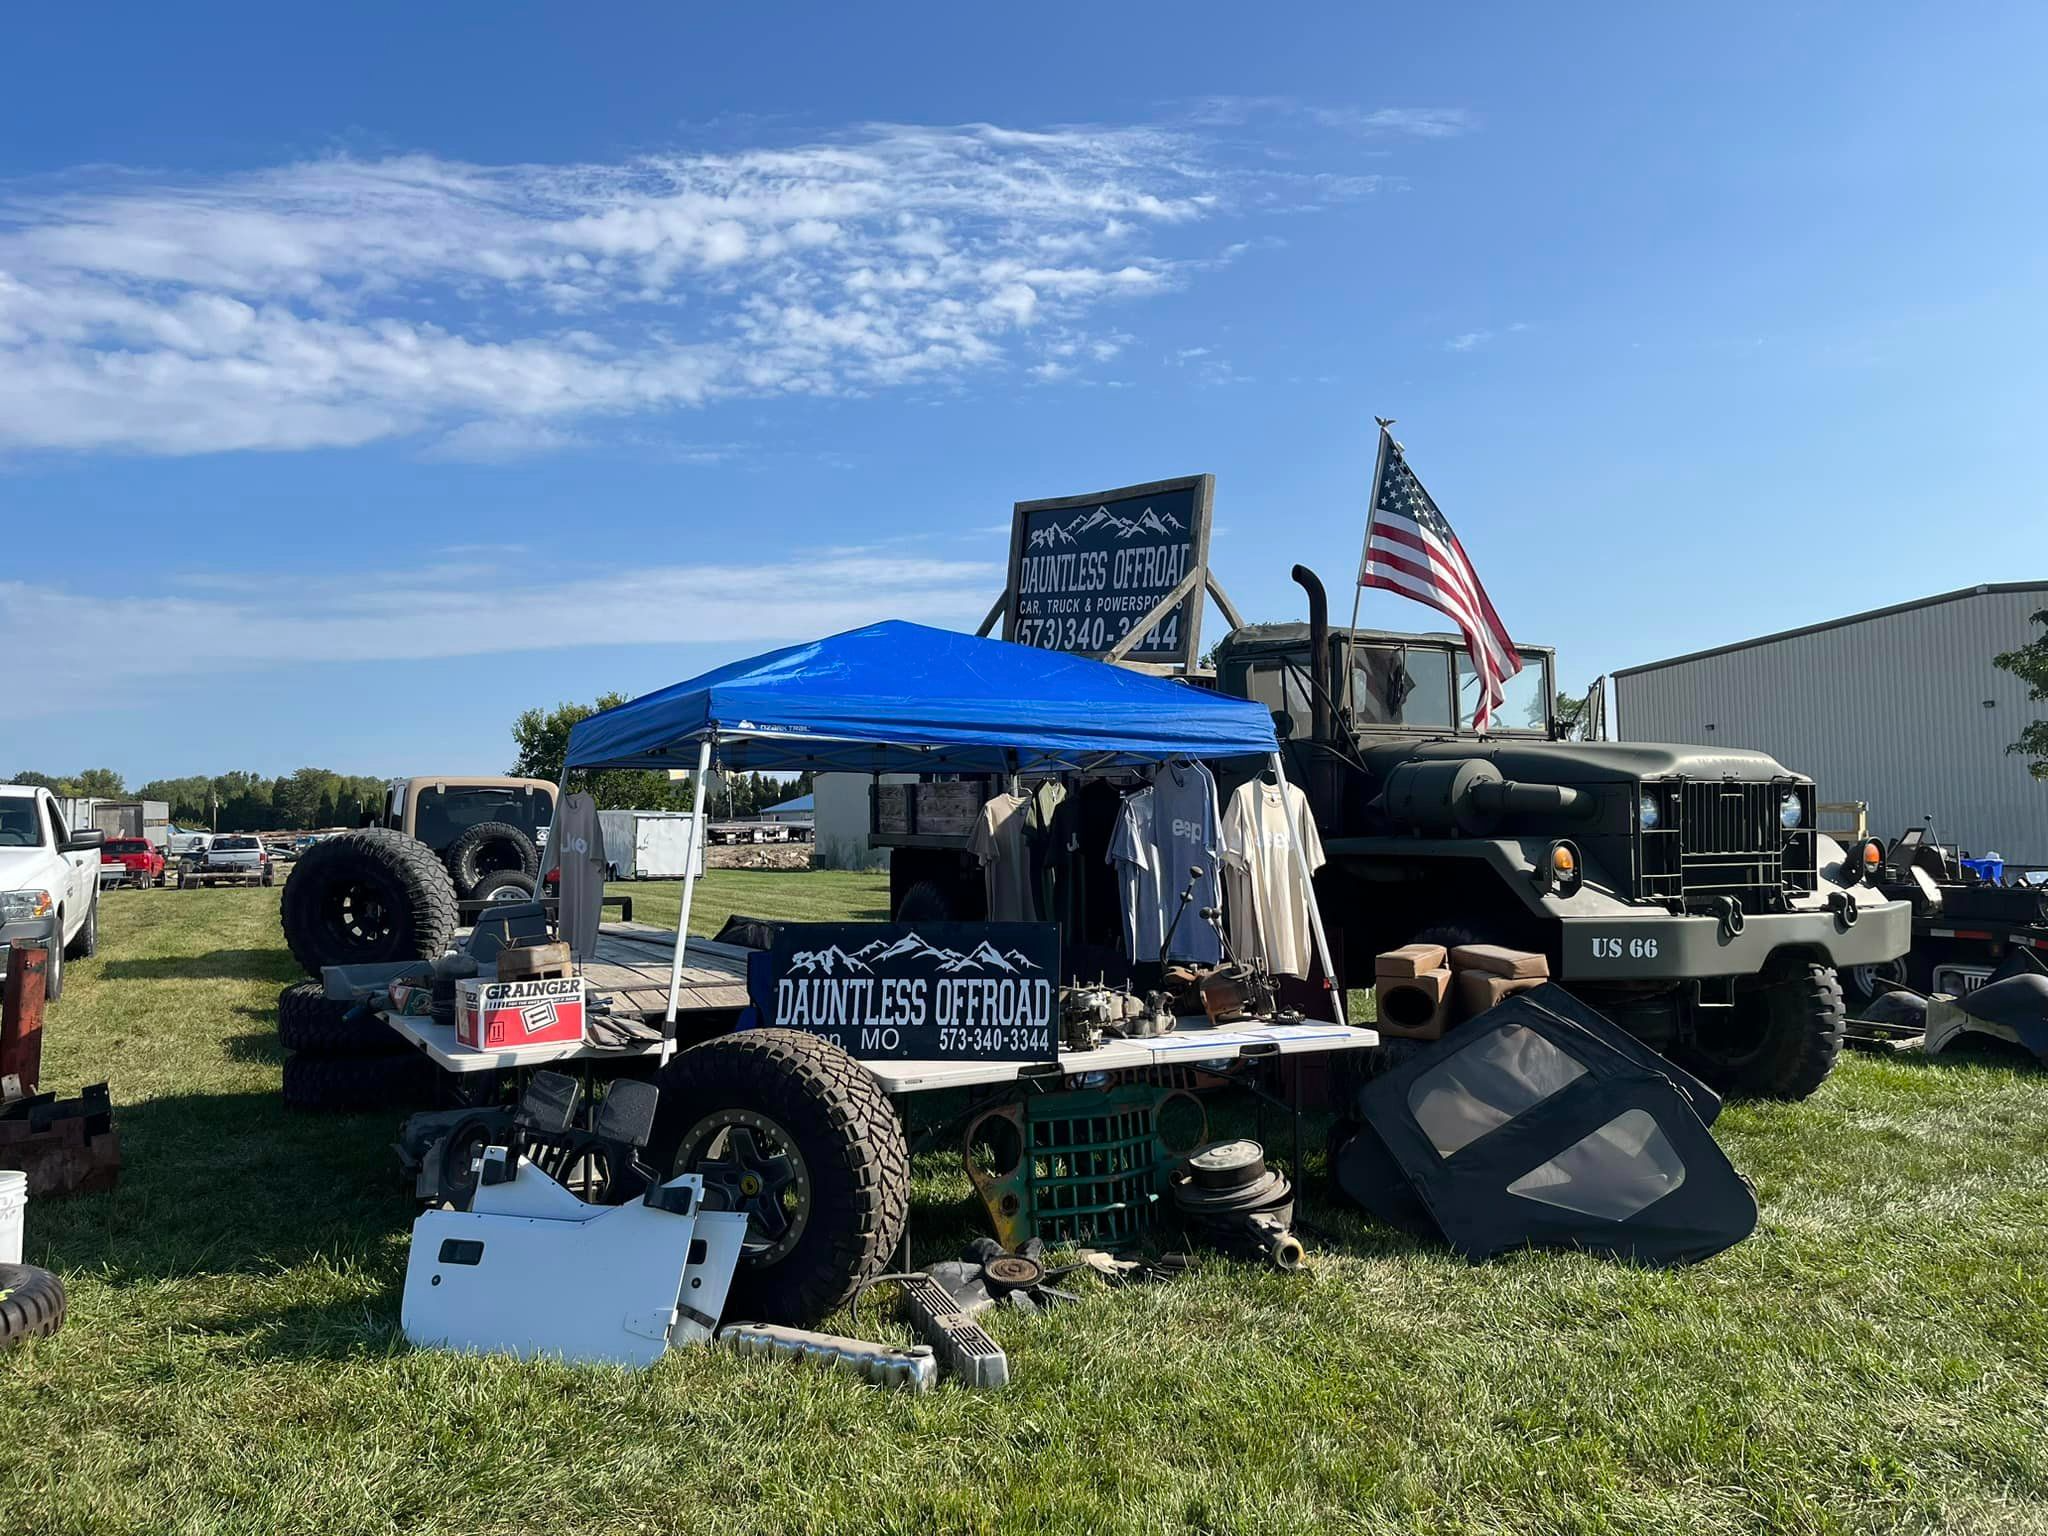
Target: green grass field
[1874, 1359]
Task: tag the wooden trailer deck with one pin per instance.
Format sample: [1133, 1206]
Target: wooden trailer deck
[632, 969]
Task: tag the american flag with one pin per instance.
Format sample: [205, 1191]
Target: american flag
[1410, 549]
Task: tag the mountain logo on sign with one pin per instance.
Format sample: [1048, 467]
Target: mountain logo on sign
[1147, 524]
[910, 950]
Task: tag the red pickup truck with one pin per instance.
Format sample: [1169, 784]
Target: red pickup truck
[131, 861]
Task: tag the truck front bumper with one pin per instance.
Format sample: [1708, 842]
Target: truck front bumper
[1657, 946]
[42, 930]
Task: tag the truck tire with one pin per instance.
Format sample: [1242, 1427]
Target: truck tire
[925, 902]
[309, 1021]
[490, 848]
[87, 943]
[506, 885]
[788, 1127]
[363, 897]
[350, 1084]
[31, 1304]
[1785, 1037]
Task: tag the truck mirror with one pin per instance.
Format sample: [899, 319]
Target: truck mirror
[83, 839]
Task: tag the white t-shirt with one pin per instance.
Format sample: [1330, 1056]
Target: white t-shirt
[1268, 901]
[998, 841]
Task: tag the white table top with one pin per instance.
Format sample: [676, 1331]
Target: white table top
[1193, 1041]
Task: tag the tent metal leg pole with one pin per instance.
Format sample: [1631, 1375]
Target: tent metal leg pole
[675, 969]
[1315, 912]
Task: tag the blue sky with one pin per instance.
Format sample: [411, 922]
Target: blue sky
[369, 373]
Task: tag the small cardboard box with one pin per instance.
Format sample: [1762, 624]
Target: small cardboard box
[412, 1000]
[1477, 991]
[533, 962]
[1413, 1007]
[503, 1015]
[1496, 960]
[1409, 960]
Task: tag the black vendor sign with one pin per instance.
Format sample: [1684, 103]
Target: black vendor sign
[1085, 569]
[917, 991]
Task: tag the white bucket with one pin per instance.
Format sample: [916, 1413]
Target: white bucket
[13, 1207]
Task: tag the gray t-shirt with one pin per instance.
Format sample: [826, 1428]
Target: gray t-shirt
[998, 841]
[1163, 833]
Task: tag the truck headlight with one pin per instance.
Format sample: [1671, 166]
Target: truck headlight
[1647, 813]
[1790, 811]
[25, 906]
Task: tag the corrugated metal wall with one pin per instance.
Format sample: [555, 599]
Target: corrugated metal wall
[1890, 710]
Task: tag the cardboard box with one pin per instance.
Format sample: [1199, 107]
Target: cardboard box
[504, 1015]
[1496, 960]
[1413, 1007]
[1477, 991]
[412, 1000]
[533, 962]
[1409, 960]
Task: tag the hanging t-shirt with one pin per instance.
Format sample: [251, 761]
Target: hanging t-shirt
[1269, 905]
[577, 846]
[998, 841]
[1163, 835]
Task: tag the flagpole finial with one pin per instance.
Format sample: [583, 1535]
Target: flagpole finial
[1384, 421]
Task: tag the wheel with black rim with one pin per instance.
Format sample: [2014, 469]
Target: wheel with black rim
[368, 896]
[1781, 1038]
[788, 1128]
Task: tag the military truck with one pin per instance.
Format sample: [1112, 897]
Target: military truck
[1684, 891]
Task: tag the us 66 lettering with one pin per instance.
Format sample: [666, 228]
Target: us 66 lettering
[1613, 947]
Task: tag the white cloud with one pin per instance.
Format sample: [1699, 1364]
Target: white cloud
[203, 625]
[1411, 122]
[502, 308]
[1466, 341]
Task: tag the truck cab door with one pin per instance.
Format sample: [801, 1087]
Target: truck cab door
[82, 869]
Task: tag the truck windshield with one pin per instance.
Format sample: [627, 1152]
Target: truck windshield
[18, 827]
[442, 815]
[233, 844]
[126, 845]
[1527, 705]
[1400, 685]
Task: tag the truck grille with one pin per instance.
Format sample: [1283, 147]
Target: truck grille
[1719, 838]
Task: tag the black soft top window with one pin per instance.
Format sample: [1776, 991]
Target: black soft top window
[441, 815]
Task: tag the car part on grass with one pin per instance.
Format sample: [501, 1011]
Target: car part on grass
[309, 1020]
[441, 1149]
[886, 1365]
[1539, 1124]
[1086, 1166]
[530, 1270]
[31, 1304]
[943, 1302]
[490, 848]
[349, 1084]
[1228, 1197]
[789, 1129]
[2012, 1007]
[65, 1146]
[361, 897]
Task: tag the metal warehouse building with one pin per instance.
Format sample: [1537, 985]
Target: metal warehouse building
[1900, 707]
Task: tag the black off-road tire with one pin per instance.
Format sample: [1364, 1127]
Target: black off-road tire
[486, 849]
[368, 896]
[310, 1021]
[87, 944]
[925, 902]
[848, 1139]
[31, 1304]
[347, 1084]
[1787, 1035]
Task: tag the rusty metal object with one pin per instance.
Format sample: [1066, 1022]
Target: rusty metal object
[65, 1146]
[22, 996]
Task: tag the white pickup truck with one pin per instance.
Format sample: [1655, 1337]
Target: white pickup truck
[49, 880]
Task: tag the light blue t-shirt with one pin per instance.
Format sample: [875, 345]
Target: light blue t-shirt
[1163, 833]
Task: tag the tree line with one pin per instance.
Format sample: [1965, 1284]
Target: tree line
[304, 801]
[541, 740]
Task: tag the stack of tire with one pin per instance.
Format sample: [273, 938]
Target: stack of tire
[31, 1304]
[493, 861]
[358, 899]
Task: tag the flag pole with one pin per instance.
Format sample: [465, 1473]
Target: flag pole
[1372, 508]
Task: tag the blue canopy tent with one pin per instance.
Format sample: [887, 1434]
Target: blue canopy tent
[902, 698]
